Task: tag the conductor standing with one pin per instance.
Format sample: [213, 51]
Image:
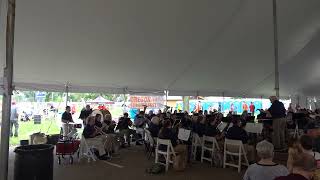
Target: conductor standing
[277, 112]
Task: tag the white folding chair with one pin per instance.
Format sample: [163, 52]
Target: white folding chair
[149, 143]
[168, 153]
[209, 144]
[86, 150]
[196, 142]
[234, 148]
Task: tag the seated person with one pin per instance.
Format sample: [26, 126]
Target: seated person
[94, 137]
[154, 126]
[123, 126]
[211, 128]
[166, 132]
[108, 125]
[98, 120]
[303, 168]
[200, 126]
[237, 133]
[265, 169]
[306, 143]
[294, 148]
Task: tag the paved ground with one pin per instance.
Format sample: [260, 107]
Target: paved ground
[131, 165]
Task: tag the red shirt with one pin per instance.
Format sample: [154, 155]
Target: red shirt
[291, 177]
[252, 107]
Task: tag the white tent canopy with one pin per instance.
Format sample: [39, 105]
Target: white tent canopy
[203, 47]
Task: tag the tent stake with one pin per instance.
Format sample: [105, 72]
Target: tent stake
[7, 91]
[276, 49]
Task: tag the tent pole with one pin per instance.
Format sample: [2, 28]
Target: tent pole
[7, 91]
[166, 97]
[276, 48]
[67, 93]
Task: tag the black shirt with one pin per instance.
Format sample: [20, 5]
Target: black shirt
[277, 110]
[88, 131]
[67, 116]
[154, 129]
[85, 113]
[211, 131]
[124, 123]
[237, 133]
[167, 133]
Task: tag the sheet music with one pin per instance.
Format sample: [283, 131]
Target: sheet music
[221, 126]
[184, 134]
[254, 128]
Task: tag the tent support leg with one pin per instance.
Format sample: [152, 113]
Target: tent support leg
[276, 49]
[7, 91]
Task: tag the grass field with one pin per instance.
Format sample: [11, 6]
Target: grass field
[48, 126]
[28, 128]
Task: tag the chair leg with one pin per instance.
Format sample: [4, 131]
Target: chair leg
[157, 157]
[239, 167]
[224, 159]
[212, 156]
[167, 162]
[202, 154]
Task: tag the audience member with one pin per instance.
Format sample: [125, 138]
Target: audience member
[306, 143]
[265, 169]
[303, 167]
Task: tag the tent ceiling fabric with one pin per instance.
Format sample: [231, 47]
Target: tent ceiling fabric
[146, 46]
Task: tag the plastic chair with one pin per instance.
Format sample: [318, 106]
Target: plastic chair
[196, 142]
[235, 148]
[209, 144]
[168, 153]
[150, 143]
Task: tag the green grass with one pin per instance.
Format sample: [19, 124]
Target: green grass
[28, 128]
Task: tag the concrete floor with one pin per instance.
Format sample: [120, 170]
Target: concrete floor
[131, 164]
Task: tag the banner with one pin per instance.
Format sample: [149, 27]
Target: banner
[153, 102]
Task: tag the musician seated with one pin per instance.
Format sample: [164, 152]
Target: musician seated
[108, 125]
[200, 126]
[123, 126]
[211, 128]
[154, 126]
[97, 119]
[166, 132]
[237, 133]
[94, 137]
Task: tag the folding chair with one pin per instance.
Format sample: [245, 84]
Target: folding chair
[86, 150]
[149, 143]
[196, 142]
[235, 148]
[168, 153]
[209, 144]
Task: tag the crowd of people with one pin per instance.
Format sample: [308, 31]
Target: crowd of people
[109, 136]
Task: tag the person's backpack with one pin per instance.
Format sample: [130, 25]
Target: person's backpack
[156, 169]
